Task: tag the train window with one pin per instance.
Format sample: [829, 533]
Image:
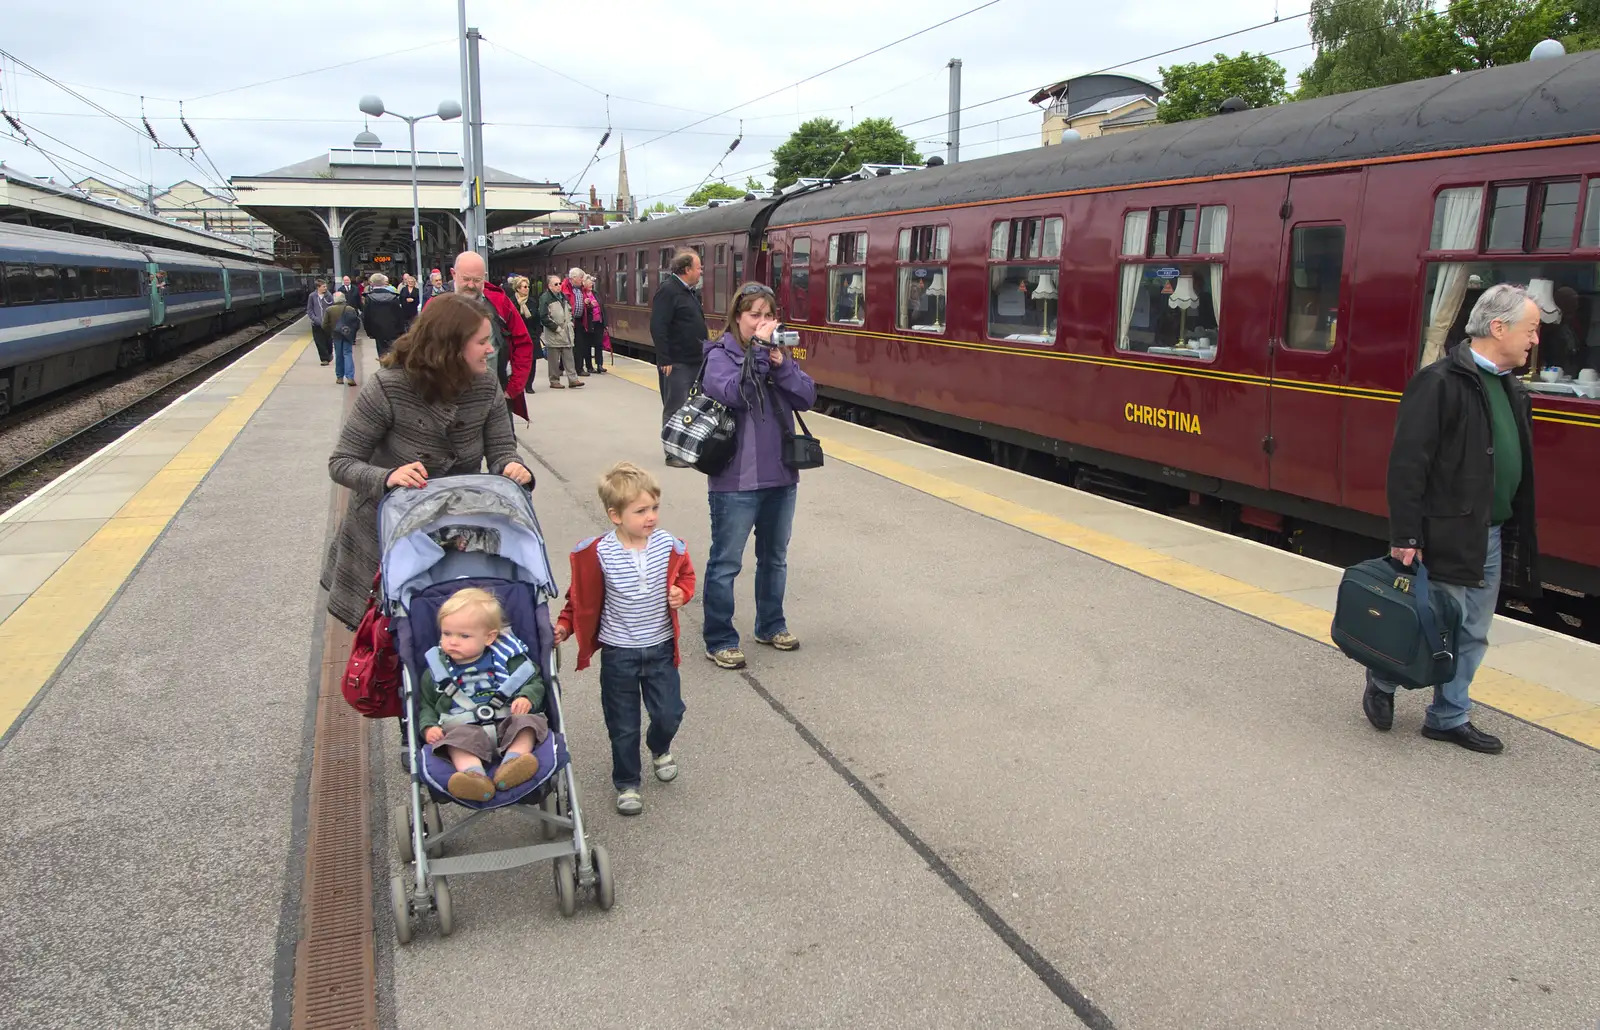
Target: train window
[1590, 237]
[920, 278]
[738, 269]
[640, 260]
[1170, 309]
[44, 284]
[68, 283]
[1135, 226]
[1508, 217]
[1570, 342]
[721, 254]
[19, 284]
[1022, 289]
[621, 295]
[847, 278]
[1558, 215]
[800, 279]
[1456, 213]
[1316, 266]
[666, 258]
[777, 270]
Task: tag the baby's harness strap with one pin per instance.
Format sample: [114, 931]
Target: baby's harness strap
[481, 692]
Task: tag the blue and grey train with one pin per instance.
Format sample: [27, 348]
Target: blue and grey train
[73, 307]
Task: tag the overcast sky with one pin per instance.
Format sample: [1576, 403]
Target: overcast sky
[664, 66]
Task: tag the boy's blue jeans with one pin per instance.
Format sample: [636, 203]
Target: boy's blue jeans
[626, 675]
[734, 513]
[344, 359]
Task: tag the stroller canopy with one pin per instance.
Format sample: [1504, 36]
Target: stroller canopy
[457, 527]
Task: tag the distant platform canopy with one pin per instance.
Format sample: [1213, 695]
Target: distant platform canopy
[352, 206]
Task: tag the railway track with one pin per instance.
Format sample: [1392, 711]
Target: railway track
[23, 474]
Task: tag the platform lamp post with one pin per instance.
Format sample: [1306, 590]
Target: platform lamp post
[448, 110]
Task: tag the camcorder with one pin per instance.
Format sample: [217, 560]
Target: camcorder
[786, 338]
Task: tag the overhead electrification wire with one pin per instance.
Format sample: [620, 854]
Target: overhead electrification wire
[328, 68]
[602, 145]
[825, 71]
[579, 82]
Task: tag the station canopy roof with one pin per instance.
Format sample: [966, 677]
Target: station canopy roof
[371, 190]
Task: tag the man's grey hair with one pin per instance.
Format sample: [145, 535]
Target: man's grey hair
[377, 279]
[1504, 302]
[683, 260]
[338, 296]
[576, 274]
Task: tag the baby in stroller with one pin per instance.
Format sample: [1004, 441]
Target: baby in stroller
[479, 698]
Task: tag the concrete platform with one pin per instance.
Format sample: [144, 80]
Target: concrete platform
[1007, 782]
[152, 808]
[1040, 762]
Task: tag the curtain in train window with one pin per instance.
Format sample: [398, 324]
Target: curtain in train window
[1456, 214]
[920, 287]
[847, 278]
[1023, 279]
[1168, 309]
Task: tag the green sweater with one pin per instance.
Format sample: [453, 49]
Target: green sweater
[1507, 445]
[434, 702]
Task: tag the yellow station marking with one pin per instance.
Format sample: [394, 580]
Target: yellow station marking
[1531, 702]
[37, 637]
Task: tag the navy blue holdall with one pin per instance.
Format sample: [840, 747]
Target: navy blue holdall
[1397, 623]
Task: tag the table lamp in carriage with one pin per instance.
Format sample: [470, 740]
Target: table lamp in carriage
[1044, 291]
[1185, 300]
[854, 288]
[936, 292]
[1543, 293]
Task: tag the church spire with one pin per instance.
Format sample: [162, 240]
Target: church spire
[624, 193]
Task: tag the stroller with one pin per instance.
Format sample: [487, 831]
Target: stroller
[478, 531]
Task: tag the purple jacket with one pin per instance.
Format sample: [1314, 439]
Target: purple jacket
[761, 402]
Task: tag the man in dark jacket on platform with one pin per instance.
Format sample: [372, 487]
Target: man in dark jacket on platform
[678, 330]
[382, 313]
[1461, 495]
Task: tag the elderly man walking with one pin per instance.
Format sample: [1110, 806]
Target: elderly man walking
[1461, 495]
[317, 306]
[513, 347]
[678, 330]
[382, 313]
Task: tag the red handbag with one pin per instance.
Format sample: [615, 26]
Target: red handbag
[372, 676]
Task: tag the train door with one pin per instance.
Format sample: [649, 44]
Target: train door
[158, 296]
[1305, 434]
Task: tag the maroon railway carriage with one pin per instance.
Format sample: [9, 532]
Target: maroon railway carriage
[1231, 305]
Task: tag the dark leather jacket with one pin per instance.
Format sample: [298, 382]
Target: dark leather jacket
[677, 323]
[1441, 477]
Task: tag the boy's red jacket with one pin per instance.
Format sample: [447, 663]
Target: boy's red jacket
[587, 594]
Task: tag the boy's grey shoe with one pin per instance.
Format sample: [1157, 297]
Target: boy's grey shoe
[629, 802]
[666, 767]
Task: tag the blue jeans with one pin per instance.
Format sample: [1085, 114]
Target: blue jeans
[1451, 706]
[626, 675]
[344, 359]
[734, 514]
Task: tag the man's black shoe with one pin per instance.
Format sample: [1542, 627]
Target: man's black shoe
[1379, 706]
[1468, 736]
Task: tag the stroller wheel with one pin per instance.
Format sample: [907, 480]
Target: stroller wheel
[566, 885]
[442, 907]
[400, 833]
[433, 824]
[550, 806]
[605, 888]
[401, 908]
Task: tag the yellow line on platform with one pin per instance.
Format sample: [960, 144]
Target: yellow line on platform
[1553, 710]
[37, 637]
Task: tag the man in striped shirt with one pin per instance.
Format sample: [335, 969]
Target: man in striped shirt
[627, 587]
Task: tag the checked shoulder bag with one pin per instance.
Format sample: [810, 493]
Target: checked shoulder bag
[702, 432]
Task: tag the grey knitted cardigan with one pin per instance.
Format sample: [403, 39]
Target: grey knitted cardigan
[391, 426]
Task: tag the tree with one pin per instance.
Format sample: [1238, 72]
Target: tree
[811, 151]
[660, 207]
[820, 148]
[1195, 90]
[1483, 34]
[1360, 44]
[713, 191]
[878, 141]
